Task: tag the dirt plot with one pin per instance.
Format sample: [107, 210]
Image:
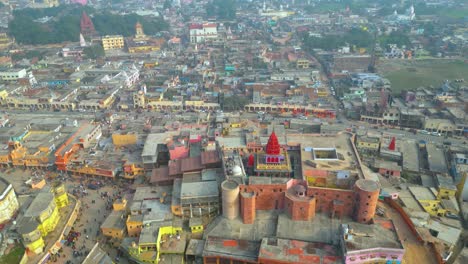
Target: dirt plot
[415, 251]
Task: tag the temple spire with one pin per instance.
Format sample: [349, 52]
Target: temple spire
[273, 147]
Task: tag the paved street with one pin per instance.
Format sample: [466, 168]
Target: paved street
[403, 134]
[91, 217]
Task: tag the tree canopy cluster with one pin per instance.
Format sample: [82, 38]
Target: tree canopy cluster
[94, 52]
[221, 9]
[355, 37]
[395, 37]
[235, 102]
[65, 24]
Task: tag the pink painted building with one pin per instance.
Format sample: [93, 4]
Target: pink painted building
[375, 243]
[389, 168]
[81, 2]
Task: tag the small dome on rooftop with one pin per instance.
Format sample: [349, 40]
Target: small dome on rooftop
[236, 170]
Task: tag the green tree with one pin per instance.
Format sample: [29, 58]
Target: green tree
[395, 37]
[170, 93]
[235, 102]
[359, 37]
[28, 55]
[94, 52]
[167, 4]
[66, 24]
[222, 9]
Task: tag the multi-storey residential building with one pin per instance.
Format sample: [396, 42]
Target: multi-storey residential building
[12, 74]
[199, 33]
[110, 42]
[8, 202]
[40, 219]
[5, 41]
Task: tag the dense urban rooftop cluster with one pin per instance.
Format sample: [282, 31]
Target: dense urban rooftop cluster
[248, 132]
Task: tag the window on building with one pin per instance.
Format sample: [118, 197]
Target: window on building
[211, 261]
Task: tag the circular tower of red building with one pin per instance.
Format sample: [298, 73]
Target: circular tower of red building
[367, 195]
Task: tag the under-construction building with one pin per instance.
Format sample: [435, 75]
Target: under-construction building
[197, 194]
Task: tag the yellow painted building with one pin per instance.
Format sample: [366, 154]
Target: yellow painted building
[114, 225]
[3, 95]
[156, 241]
[8, 201]
[142, 48]
[446, 193]
[432, 207]
[33, 241]
[322, 92]
[5, 41]
[368, 143]
[35, 152]
[133, 170]
[445, 187]
[120, 140]
[427, 198]
[60, 195]
[120, 205]
[302, 64]
[196, 225]
[134, 225]
[41, 218]
[150, 64]
[110, 42]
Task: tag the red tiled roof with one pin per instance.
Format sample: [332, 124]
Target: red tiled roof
[160, 174]
[196, 26]
[191, 164]
[178, 152]
[210, 157]
[174, 167]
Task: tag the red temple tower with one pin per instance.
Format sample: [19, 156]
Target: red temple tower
[392, 144]
[273, 147]
[86, 25]
[274, 161]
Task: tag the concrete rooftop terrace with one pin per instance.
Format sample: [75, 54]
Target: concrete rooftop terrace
[277, 224]
[246, 250]
[345, 158]
[97, 256]
[39, 204]
[295, 251]
[380, 234]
